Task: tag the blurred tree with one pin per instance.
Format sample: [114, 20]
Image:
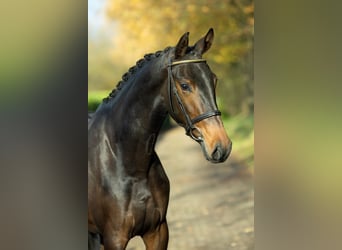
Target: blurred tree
[150, 25]
[102, 68]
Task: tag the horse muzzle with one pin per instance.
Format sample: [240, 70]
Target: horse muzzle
[214, 141]
[220, 153]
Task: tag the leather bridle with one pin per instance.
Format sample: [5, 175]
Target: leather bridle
[190, 122]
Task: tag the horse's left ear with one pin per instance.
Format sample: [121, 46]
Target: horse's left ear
[204, 44]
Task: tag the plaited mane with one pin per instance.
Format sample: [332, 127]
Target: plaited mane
[132, 70]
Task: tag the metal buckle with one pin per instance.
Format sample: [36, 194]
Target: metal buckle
[190, 132]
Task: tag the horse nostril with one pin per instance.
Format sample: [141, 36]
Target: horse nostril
[220, 154]
[217, 153]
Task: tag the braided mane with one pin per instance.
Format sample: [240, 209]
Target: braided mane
[132, 70]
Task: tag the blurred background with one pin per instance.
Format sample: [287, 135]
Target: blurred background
[297, 76]
[122, 31]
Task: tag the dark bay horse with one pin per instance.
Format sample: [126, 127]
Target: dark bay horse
[128, 190]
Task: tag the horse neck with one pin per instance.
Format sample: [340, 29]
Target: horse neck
[138, 110]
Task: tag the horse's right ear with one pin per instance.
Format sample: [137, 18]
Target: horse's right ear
[182, 46]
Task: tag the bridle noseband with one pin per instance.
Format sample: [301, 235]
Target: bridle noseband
[190, 123]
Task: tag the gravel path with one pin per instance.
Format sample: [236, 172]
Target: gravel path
[211, 205]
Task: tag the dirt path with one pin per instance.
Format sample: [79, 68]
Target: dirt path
[211, 205]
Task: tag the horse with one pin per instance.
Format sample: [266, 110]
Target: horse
[128, 189]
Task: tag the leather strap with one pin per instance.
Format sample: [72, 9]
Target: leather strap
[205, 116]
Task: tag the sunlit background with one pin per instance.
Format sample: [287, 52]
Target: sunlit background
[122, 31]
[298, 105]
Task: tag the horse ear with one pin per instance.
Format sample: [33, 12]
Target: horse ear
[204, 44]
[182, 45]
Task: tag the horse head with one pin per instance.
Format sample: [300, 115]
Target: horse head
[192, 99]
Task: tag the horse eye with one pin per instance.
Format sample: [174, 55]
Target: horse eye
[185, 87]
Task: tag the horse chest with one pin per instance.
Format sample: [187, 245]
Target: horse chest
[145, 210]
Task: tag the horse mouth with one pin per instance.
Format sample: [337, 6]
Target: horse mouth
[218, 155]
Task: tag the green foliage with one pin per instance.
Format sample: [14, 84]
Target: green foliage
[240, 129]
[95, 99]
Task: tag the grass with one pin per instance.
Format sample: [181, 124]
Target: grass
[240, 129]
[95, 98]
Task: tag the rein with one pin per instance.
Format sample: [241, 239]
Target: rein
[190, 123]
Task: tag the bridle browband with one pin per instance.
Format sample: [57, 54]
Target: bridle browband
[190, 123]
